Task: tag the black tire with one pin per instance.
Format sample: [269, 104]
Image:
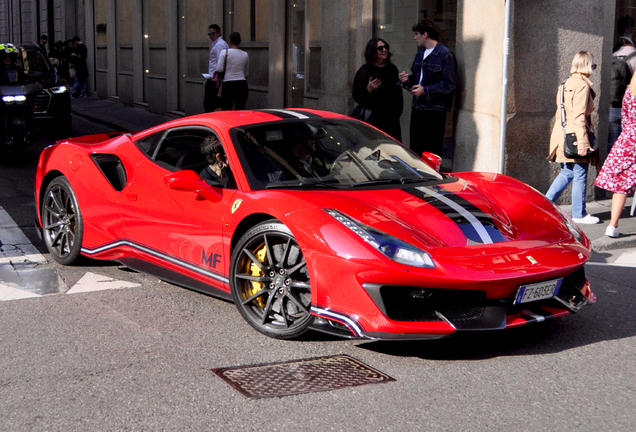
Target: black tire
[270, 282]
[62, 226]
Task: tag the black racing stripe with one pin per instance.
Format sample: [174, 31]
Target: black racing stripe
[466, 227]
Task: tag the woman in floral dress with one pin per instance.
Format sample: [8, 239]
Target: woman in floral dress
[618, 174]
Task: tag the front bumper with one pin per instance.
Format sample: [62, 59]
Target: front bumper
[427, 313]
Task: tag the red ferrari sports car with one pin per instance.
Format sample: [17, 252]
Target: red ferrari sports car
[309, 219]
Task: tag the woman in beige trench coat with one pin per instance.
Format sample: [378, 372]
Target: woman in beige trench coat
[579, 104]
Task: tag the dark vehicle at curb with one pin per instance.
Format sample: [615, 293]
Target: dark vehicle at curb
[34, 98]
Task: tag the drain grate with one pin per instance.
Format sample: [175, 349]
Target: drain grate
[300, 376]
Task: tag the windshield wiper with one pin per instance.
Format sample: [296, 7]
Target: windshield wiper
[395, 180]
[304, 183]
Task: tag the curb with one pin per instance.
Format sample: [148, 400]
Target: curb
[606, 243]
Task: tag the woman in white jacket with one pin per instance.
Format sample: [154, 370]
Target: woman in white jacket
[235, 64]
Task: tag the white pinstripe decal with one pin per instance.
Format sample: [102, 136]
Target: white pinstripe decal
[159, 255]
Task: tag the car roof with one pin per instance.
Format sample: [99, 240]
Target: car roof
[29, 46]
[230, 119]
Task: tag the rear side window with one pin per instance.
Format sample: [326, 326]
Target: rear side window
[149, 144]
[34, 61]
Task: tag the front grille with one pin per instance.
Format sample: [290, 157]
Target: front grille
[430, 304]
[42, 102]
[465, 309]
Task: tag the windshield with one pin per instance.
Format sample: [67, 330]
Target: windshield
[325, 153]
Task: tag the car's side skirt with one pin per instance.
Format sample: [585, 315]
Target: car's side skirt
[175, 277]
[162, 272]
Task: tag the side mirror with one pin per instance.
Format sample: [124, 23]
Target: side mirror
[189, 181]
[432, 160]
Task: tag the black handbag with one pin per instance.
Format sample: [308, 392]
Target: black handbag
[360, 113]
[570, 150]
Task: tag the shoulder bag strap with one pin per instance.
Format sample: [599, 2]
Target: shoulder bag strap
[563, 119]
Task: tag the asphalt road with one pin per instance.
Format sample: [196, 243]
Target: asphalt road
[140, 358]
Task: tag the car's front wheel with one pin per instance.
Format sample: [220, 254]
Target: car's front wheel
[270, 281]
[62, 226]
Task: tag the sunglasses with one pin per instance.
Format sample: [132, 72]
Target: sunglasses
[383, 48]
[212, 33]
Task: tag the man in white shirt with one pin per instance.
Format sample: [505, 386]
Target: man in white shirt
[211, 101]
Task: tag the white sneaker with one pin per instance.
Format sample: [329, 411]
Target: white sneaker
[587, 220]
[612, 231]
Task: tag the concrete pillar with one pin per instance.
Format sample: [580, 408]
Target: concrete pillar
[546, 35]
[172, 55]
[89, 40]
[112, 49]
[346, 31]
[138, 51]
[277, 22]
[480, 29]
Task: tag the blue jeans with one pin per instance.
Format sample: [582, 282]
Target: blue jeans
[571, 171]
[79, 87]
[614, 127]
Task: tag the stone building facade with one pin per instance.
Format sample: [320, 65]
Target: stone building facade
[151, 54]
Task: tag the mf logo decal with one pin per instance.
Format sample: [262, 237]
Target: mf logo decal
[210, 261]
[532, 260]
[236, 205]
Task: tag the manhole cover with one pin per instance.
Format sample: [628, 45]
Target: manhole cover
[300, 376]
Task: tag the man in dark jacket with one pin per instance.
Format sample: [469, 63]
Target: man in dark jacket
[78, 58]
[432, 84]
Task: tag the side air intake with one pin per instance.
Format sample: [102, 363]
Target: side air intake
[112, 168]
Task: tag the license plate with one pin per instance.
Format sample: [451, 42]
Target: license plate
[538, 291]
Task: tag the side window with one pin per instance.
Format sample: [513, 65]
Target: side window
[34, 61]
[181, 149]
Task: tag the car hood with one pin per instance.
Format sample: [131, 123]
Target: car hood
[470, 210]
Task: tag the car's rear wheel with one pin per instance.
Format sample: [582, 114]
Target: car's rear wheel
[270, 282]
[62, 226]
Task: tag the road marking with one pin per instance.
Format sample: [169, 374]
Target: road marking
[9, 293]
[94, 282]
[627, 259]
[25, 273]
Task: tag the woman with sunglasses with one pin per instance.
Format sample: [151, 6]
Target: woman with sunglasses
[578, 105]
[375, 88]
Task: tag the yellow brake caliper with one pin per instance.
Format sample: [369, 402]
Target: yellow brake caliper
[255, 270]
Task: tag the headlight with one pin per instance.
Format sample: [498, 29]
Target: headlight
[574, 230]
[393, 248]
[14, 99]
[59, 90]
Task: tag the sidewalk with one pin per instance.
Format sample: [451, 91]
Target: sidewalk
[124, 118]
[627, 226]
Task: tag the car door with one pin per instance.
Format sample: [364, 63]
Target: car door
[181, 229]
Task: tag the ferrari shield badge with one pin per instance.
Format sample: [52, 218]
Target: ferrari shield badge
[236, 205]
[532, 260]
